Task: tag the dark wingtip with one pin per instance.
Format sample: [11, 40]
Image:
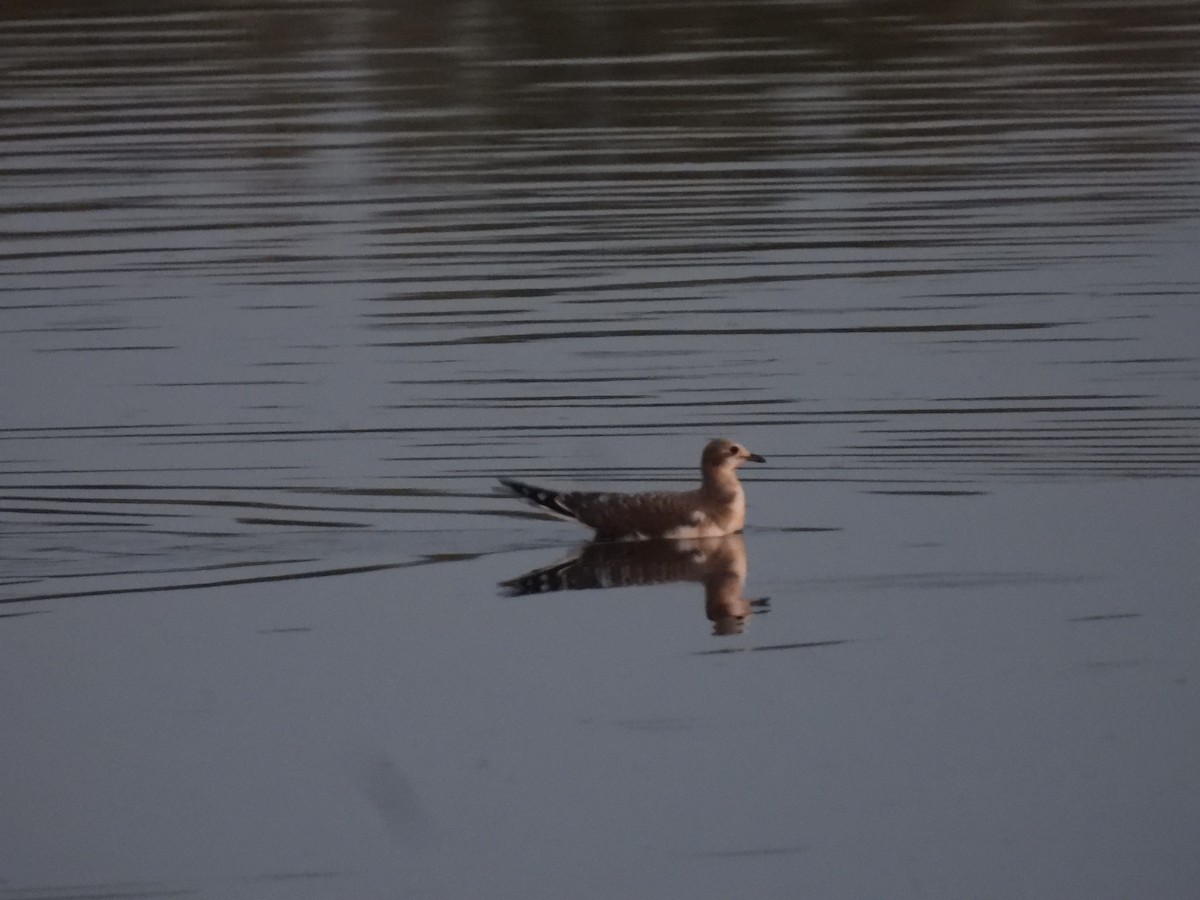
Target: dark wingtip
[520, 488]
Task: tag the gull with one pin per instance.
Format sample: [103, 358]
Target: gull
[716, 508]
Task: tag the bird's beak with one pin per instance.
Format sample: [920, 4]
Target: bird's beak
[754, 457]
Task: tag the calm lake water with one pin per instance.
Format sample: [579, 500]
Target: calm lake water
[286, 286]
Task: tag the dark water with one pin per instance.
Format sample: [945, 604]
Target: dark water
[285, 287]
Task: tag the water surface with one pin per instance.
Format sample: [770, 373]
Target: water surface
[286, 287]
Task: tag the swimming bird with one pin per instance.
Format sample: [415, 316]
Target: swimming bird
[716, 508]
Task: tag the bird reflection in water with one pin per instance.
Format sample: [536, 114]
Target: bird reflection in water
[718, 563]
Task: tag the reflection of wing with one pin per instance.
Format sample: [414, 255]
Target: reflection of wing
[622, 564]
[718, 563]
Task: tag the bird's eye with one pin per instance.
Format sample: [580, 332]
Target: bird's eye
[733, 451]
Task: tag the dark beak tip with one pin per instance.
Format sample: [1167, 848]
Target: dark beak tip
[754, 457]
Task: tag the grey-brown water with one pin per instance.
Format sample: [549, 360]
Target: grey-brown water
[286, 286]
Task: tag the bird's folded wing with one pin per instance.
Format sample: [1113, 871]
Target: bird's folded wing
[622, 515]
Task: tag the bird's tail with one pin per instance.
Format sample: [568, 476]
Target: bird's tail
[551, 501]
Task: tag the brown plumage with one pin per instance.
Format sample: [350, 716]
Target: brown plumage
[716, 508]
